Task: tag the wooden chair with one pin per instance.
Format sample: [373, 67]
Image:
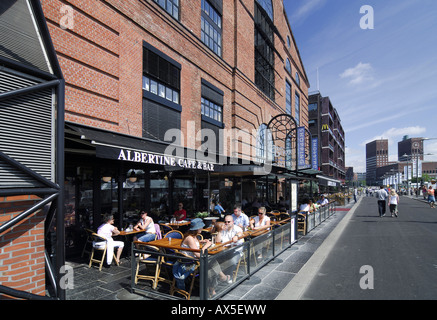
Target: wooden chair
[283, 216]
[183, 258]
[175, 234]
[165, 228]
[99, 244]
[302, 223]
[151, 258]
[88, 242]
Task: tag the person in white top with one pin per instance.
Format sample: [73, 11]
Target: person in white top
[393, 201]
[146, 224]
[107, 230]
[230, 233]
[261, 221]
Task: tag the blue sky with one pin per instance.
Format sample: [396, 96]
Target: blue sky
[382, 81]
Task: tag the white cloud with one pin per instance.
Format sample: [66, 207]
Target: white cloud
[361, 73]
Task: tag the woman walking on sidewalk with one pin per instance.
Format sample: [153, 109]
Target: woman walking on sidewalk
[393, 202]
[431, 197]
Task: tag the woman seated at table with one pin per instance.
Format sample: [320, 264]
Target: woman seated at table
[146, 223]
[107, 230]
[261, 221]
[182, 270]
[305, 207]
[313, 206]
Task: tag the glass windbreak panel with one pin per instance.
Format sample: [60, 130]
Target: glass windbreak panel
[225, 268]
[282, 238]
[133, 196]
[262, 249]
[159, 198]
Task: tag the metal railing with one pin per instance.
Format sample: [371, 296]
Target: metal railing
[237, 262]
[315, 218]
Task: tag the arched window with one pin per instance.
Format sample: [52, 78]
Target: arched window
[288, 66]
[264, 144]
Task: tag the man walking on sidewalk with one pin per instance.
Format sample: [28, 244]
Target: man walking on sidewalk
[382, 195]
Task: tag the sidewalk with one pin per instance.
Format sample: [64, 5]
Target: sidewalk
[269, 282]
[266, 284]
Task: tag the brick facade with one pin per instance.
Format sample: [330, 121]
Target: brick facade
[101, 58]
[22, 264]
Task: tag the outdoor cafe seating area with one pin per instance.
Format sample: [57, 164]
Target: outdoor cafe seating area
[152, 262]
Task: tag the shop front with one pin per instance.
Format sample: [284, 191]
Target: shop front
[106, 172]
[123, 175]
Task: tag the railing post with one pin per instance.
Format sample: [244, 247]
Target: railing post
[203, 274]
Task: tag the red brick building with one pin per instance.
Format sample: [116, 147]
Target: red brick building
[216, 71]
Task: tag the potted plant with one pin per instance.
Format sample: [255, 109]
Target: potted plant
[207, 220]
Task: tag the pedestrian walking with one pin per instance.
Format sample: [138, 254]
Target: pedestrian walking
[431, 197]
[393, 201]
[355, 194]
[381, 195]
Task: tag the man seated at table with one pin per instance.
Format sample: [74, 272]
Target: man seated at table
[180, 214]
[147, 225]
[233, 233]
[323, 201]
[240, 218]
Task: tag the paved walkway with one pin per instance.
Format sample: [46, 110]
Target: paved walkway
[266, 284]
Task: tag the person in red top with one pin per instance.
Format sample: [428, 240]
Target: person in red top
[431, 197]
[180, 214]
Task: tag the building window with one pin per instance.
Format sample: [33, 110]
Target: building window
[212, 104]
[288, 66]
[171, 6]
[267, 6]
[161, 93]
[211, 27]
[212, 110]
[297, 79]
[287, 98]
[264, 144]
[312, 107]
[264, 49]
[288, 42]
[297, 108]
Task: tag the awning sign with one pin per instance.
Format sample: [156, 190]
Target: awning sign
[123, 154]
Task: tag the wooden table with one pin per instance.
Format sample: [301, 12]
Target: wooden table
[177, 224]
[127, 233]
[175, 244]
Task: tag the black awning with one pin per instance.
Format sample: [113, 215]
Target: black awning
[117, 146]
